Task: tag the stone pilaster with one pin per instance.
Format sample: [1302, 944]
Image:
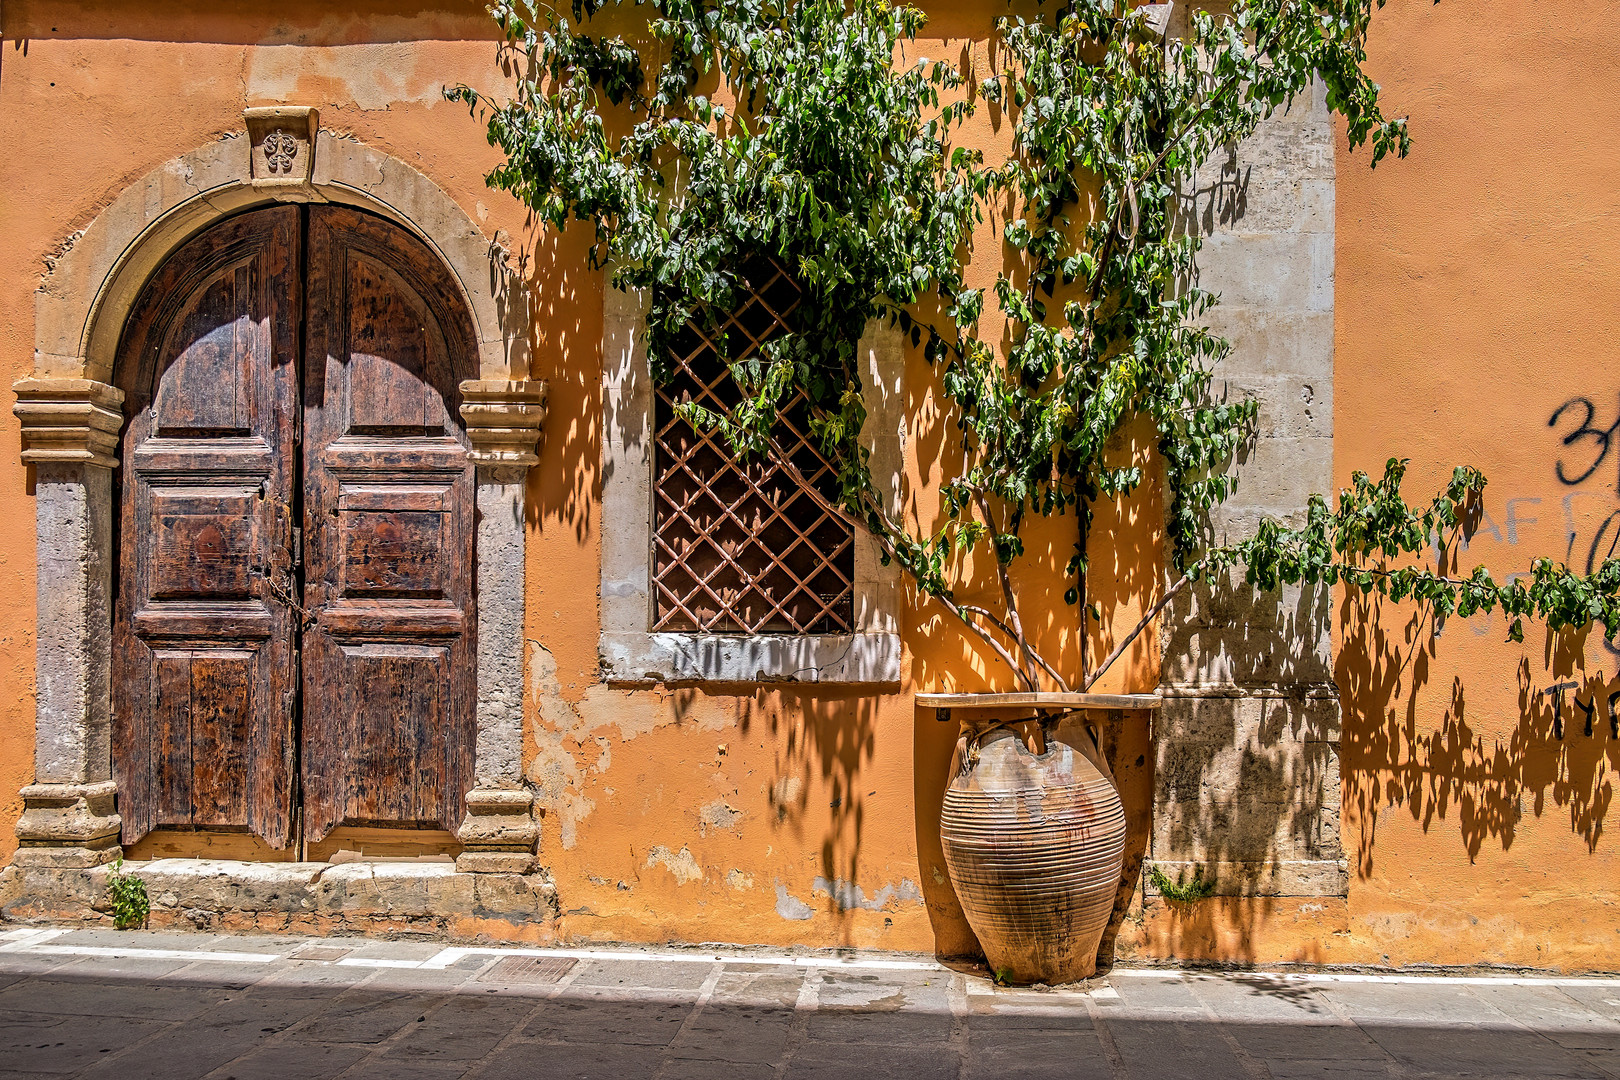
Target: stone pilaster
[1247, 770]
[503, 421]
[68, 826]
[70, 435]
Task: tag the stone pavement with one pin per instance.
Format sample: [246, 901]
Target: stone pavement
[98, 1003]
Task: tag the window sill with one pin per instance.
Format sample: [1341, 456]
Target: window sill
[861, 658]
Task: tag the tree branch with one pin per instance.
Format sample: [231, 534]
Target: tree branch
[832, 508]
[1030, 675]
[1119, 650]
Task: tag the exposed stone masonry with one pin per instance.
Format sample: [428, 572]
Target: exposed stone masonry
[1248, 739]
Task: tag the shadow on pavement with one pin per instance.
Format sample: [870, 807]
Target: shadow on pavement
[625, 1021]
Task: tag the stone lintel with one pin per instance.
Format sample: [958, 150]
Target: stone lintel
[68, 825]
[641, 657]
[499, 832]
[504, 418]
[69, 420]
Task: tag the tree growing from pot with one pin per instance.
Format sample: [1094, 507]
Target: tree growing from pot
[841, 162]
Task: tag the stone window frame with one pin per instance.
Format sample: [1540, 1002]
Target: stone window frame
[628, 650]
[71, 417]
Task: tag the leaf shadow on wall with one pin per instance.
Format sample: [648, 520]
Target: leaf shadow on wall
[1561, 749]
[1247, 774]
[820, 742]
[565, 338]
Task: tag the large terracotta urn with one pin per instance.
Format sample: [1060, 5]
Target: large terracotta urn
[1034, 835]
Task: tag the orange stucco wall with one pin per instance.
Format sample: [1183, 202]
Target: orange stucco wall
[719, 813]
[1472, 301]
[1476, 296]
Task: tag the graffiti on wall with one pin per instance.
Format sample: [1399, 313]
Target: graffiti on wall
[1589, 514]
[1587, 708]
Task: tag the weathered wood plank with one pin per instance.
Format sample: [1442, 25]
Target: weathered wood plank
[389, 671]
[203, 654]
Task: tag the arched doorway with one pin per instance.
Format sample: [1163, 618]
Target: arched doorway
[294, 635]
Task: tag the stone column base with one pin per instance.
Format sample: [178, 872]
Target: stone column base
[68, 826]
[499, 832]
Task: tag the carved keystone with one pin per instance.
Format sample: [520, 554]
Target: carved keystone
[68, 825]
[503, 419]
[281, 142]
[69, 420]
[499, 832]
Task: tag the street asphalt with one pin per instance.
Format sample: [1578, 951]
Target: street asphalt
[97, 1003]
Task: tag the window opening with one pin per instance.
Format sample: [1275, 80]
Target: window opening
[739, 547]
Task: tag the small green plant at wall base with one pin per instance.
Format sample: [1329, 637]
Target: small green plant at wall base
[127, 892]
[1179, 891]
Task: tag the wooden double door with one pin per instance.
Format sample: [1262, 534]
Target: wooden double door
[293, 647]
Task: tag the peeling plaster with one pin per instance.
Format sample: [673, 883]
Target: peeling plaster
[739, 881]
[789, 906]
[373, 74]
[680, 863]
[849, 895]
[555, 772]
[718, 815]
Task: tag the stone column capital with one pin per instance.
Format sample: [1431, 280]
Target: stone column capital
[503, 418]
[72, 421]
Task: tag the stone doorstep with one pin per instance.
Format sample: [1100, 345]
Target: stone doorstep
[363, 891]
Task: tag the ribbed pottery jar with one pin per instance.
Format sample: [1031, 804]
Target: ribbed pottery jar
[1035, 843]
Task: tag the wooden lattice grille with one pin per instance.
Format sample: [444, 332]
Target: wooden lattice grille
[739, 547]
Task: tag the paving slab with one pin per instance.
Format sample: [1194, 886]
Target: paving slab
[582, 1020]
[1154, 1049]
[465, 1029]
[366, 1017]
[1325, 1069]
[676, 1069]
[1479, 1051]
[180, 1052]
[308, 1062]
[389, 1067]
[643, 975]
[827, 1062]
[1157, 994]
[1408, 1003]
[136, 1005]
[739, 1034]
[1261, 999]
[120, 993]
[1313, 1041]
[63, 1045]
[575, 1061]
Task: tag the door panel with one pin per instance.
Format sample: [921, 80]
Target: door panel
[395, 706]
[203, 648]
[202, 708]
[388, 723]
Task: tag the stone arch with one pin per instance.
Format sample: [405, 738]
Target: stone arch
[72, 415]
[81, 304]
